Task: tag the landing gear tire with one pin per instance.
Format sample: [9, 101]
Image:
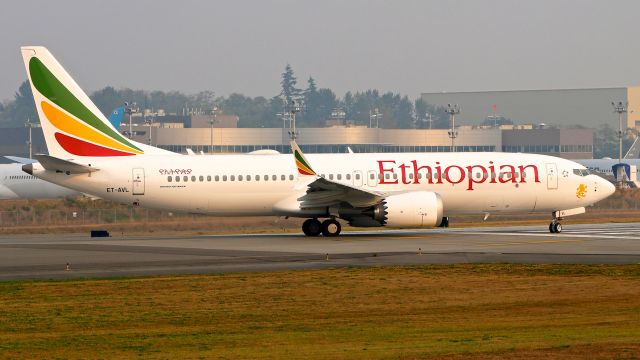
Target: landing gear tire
[555, 227]
[312, 227]
[331, 227]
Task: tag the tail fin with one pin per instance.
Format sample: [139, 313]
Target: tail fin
[72, 124]
[301, 161]
[115, 118]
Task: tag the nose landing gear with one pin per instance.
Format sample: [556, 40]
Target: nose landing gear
[555, 226]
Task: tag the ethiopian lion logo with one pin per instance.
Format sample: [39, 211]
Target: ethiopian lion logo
[581, 191]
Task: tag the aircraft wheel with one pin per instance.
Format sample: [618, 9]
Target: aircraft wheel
[331, 227]
[557, 228]
[551, 228]
[311, 227]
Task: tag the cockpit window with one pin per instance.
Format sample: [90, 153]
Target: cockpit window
[581, 172]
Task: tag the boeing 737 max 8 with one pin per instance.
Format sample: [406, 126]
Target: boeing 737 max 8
[408, 190]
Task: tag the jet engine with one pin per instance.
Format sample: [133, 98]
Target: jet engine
[417, 209]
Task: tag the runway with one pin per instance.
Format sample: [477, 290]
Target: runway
[46, 256]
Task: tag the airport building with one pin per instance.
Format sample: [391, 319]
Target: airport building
[567, 143]
[565, 107]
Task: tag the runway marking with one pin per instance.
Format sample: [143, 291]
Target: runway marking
[530, 242]
[567, 235]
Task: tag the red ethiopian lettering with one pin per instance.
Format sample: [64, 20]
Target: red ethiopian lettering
[383, 170]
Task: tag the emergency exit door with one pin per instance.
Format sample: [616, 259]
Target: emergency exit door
[138, 181]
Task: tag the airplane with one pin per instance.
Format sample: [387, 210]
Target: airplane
[402, 190]
[609, 167]
[15, 184]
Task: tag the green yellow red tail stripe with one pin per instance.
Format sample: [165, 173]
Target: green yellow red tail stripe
[81, 132]
[301, 163]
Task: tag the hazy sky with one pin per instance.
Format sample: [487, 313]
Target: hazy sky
[401, 46]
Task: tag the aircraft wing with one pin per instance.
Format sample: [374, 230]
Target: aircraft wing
[322, 192]
[325, 193]
[59, 165]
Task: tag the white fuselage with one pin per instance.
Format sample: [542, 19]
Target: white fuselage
[16, 184]
[246, 185]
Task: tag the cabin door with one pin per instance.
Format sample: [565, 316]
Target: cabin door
[138, 181]
[552, 176]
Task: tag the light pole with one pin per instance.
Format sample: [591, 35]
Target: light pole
[130, 109]
[375, 115]
[212, 121]
[149, 122]
[620, 108]
[453, 110]
[295, 108]
[430, 119]
[30, 142]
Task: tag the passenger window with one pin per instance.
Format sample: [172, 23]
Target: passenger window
[217, 177]
[274, 177]
[266, 178]
[224, 177]
[177, 178]
[248, 177]
[387, 176]
[208, 177]
[233, 178]
[339, 176]
[348, 176]
[283, 178]
[330, 176]
[239, 177]
[257, 177]
[290, 177]
[357, 176]
[411, 176]
[186, 178]
[169, 178]
[201, 178]
[193, 178]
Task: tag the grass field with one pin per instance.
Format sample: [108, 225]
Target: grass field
[459, 311]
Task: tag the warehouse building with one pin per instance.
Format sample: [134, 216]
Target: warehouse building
[564, 107]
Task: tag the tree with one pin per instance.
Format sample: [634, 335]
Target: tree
[288, 85]
[21, 109]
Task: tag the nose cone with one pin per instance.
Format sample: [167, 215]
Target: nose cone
[606, 188]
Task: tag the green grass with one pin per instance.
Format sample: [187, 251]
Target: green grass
[510, 311]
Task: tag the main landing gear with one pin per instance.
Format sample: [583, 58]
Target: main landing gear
[329, 227]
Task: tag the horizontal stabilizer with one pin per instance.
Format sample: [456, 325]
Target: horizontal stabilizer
[59, 165]
[20, 160]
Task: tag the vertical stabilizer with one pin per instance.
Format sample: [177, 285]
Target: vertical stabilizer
[72, 125]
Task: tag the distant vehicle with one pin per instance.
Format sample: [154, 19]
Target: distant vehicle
[16, 184]
[403, 190]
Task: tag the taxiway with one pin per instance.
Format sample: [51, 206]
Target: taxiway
[47, 256]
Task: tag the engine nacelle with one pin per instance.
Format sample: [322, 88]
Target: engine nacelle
[417, 209]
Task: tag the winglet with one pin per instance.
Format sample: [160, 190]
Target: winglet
[301, 161]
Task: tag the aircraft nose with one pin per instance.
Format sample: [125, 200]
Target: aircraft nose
[607, 188]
